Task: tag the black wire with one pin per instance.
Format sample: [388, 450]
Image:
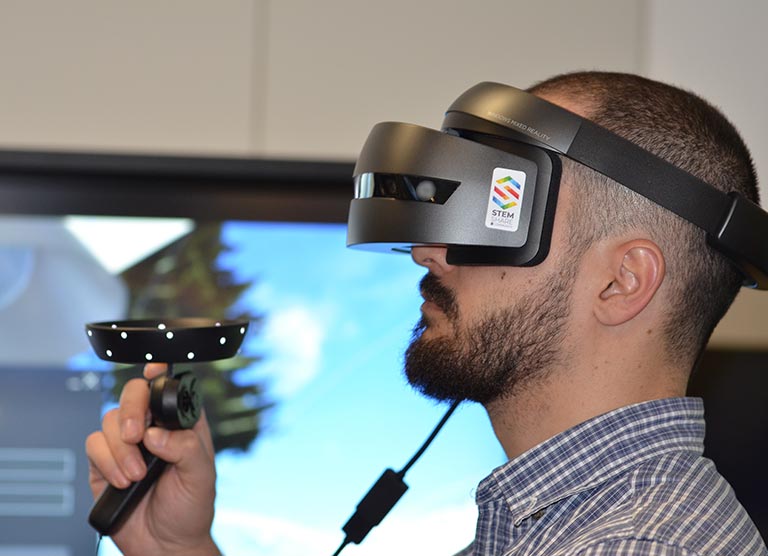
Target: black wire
[429, 440]
[338, 550]
[98, 543]
[383, 495]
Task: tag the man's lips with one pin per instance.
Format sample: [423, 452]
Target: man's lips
[437, 298]
[430, 306]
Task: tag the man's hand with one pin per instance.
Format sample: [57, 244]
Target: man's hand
[176, 514]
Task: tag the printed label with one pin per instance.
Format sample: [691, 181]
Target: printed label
[505, 199]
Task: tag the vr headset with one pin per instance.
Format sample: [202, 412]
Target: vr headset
[486, 186]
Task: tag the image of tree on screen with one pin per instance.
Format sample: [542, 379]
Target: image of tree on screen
[185, 279]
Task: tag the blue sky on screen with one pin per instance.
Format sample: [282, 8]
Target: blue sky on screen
[336, 322]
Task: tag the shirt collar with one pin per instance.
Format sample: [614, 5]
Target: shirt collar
[593, 452]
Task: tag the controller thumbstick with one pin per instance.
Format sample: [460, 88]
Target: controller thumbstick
[175, 402]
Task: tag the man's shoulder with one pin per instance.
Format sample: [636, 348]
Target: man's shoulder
[679, 505]
[680, 488]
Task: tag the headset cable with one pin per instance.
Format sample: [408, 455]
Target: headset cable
[384, 494]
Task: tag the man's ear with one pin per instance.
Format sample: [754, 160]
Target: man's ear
[635, 273]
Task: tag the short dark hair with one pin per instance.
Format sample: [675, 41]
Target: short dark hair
[687, 131]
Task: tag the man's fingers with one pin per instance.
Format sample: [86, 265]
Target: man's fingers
[183, 448]
[154, 370]
[102, 466]
[134, 402]
[126, 454]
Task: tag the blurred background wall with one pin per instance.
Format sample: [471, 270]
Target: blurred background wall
[307, 79]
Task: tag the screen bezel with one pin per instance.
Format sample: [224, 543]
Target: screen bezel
[199, 188]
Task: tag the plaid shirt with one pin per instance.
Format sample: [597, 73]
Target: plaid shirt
[630, 482]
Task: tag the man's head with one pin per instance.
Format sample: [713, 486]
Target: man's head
[685, 130]
[517, 340]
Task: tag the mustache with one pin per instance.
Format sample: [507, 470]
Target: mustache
[432, 290]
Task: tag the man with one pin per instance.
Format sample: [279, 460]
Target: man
[581, 361]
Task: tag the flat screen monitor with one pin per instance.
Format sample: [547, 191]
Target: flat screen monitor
[316, 406]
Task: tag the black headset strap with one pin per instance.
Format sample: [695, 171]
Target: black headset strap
[652, 177]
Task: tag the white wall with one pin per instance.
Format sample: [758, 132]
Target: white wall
[337, 67]
[718, 50]
[280, 78]
[142, 75]
[300, 78]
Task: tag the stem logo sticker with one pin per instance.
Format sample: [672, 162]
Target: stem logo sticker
[505, 199]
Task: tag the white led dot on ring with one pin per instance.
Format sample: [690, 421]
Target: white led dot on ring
[242, 330]
[124, 335]
[169, 335]
[109, 353]
[90, 333]
[222, 340]
[148, 357]
[161, 326]
[114, 326]
[190, 355]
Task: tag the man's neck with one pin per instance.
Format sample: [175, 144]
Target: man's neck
[570, 395]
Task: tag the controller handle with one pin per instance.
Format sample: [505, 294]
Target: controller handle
[174, 403]
[115, 504]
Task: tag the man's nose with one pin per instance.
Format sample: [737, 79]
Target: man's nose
[431, 257]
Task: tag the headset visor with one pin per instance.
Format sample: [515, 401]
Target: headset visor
[418, 186]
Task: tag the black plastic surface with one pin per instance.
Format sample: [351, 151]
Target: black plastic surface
[115, 504]
[167, 341]
[382, 223]
[743, 236]
[381, 498]
[175, 402]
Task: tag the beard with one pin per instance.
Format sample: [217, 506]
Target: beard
[498, 355]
